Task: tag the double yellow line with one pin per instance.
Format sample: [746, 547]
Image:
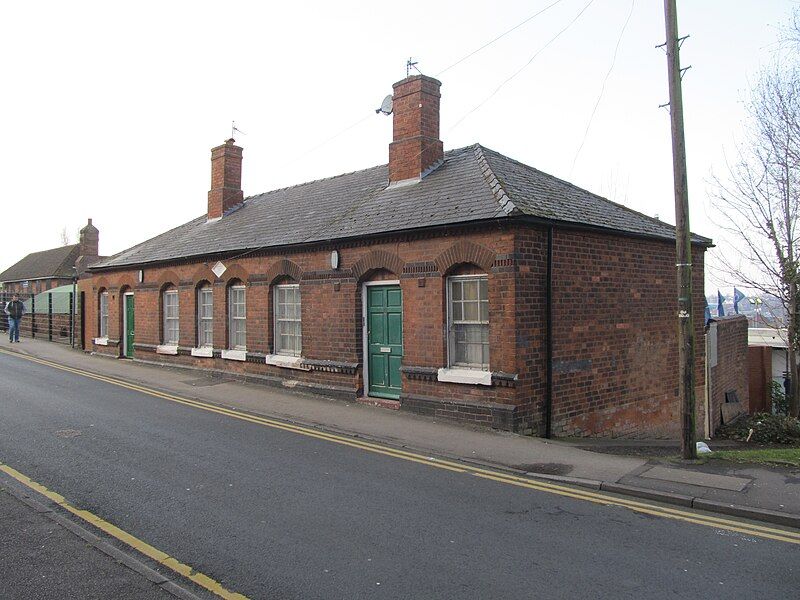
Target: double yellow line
[743, 527]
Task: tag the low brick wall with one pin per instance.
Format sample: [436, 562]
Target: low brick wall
[728, 374]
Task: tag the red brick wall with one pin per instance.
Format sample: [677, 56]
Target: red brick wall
[331, 309]
[615, 348]
[730, 373]
[615, 351]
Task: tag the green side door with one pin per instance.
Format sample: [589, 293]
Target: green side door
[384, 340]
[129, 323]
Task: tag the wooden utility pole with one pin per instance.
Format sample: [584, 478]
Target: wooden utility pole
[683, 241]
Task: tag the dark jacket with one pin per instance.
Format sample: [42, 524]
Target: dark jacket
[15, 309]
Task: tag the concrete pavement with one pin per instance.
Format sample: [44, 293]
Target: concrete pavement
[770, 494]
[47, 556]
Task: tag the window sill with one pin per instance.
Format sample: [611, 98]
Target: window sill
[468, 376]
[101, 341]
[235, 355]
[287, 362]
[167, 349]
[205, 352]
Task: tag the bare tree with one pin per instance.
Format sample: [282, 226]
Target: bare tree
[761, 198]
[64, 237]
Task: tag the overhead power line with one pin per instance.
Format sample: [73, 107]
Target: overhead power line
[603, 86]
[458, 62]
[523, 67]
[502, 35]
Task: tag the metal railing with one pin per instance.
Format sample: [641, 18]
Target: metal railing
[54, 316]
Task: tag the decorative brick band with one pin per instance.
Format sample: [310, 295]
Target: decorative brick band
[256, 357]
[501, 379]
[145, 347]
[341, 275]
[505, 260]
[420, 373]
[331, 366]
[507, 417]
[420, 269]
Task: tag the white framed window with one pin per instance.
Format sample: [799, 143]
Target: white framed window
[468, 321]
[237, 318]
[288, 328]
[104, 315]
[169, 307]
[205, 317]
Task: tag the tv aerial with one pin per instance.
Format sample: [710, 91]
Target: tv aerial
[235, 130]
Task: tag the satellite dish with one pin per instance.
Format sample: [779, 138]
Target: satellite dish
[386, 106]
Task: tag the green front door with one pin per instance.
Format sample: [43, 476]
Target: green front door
[384, 339]
[129, 322]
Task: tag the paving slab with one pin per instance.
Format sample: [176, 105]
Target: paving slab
[711, 480]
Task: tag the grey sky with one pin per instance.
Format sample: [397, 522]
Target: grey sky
[110, 110]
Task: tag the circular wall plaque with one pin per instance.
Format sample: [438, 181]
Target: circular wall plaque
[335, 259]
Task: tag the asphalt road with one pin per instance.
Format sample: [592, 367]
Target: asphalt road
[273, 514]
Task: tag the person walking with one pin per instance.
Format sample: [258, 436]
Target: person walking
[14, 309]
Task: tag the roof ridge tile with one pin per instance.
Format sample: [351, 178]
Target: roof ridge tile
[496, 187]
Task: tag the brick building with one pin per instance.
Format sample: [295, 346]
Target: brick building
[48, 269]
[460, 284]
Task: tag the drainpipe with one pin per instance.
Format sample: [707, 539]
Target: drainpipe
[548, 400]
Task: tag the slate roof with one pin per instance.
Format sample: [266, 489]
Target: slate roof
[57, 262]
[473, 184]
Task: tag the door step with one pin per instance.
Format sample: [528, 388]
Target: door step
[382, 402]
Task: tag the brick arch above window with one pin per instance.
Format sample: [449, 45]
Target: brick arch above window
[465, 252]
[203, 274]
[283, 268]
[126, 284]
[166, 279]
[375, 260]
[102, 283]
[235, 271]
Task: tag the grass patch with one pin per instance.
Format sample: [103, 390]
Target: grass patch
[779, 456]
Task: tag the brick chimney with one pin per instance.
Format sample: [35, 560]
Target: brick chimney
[226, 179]
[416, 148]
[89, 241]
